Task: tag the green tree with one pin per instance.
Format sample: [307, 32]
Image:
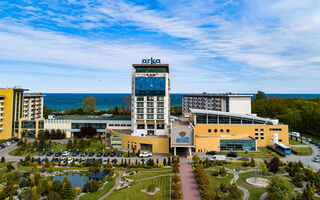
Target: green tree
[308, 192]
[69, 144]
[260, 95]
[89, 105]
[67, 192]
[280, 188]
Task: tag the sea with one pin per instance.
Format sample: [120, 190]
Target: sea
[61, 101]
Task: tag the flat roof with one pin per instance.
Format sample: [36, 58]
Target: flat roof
[87, 117]
[34, 95]
[151, 65]
[216, 95]
[213, 112]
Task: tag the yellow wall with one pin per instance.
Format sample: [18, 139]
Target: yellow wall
[7, 114]
[159, 144]
[206, 141]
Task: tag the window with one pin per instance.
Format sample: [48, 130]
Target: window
[247, 121]
[149, 98]
[160, 104]
[228, 131]
[150, 110]
[160, 98]
[150, 104]
[139, 104]
[140, 99]
[212, 119]
[261, 130]
[275, 129]
[221, 130]
[160, 110]
[215, 130]
[235, 120]
[237, 145]
[140, 126]
[256, 130]
[150, 116]
[160, 116]
[160, 126]
[223, 120]
[150, 86]
[280, 140]
[209, 130]
[150, 126]
[139, 110]
[261, 136]
[201, 119]
[139, 116]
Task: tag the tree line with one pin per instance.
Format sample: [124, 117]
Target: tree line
[302, 115]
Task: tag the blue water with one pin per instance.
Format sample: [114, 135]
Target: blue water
[60, 101]
[76, 179]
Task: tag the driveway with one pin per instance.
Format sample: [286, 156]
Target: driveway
[188, 183]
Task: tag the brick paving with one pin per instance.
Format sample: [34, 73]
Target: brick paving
[188, 183]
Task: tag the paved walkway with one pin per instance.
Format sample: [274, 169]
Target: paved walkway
[188, 183]
[246, 193]
[114, 187]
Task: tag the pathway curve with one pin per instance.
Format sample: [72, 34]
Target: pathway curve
[235, 178]
[263, 196]
[189, 186]
[114, 187]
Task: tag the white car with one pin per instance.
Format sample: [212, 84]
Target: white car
[70, 160]
[66, 153]
[105, 161]
[7, 143]
[145, 154]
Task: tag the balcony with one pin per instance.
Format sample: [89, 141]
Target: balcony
[1, 111]
[26, 104]
[1, 101]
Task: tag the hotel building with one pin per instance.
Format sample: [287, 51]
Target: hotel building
[219, 102]
[33, 106]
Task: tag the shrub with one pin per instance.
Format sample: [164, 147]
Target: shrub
[175, 178]
[77, 191]
[3, 160]
[176, 195]
[151, 188]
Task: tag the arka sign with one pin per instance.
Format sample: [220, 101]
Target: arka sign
[151, 61]
[182, 139]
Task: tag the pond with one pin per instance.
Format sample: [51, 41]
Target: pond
[77, 180]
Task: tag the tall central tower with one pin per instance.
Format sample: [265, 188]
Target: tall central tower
[150, 107]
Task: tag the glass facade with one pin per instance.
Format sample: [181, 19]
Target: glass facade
[151, 70]
[237, 145]
[93, 125]
[29, 124]
[150, 86]
[215, 119]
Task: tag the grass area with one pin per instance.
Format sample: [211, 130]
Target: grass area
[100, 193]
[87, 117]
[215, 182]
[29, 168]
[302, 151]
[141, 169]
[142, 175]
[134, 192]
[314, 138]
[262, 152]
[2, 165]
[294, 142]
[56, 146]
[255, 192]
[232, 165]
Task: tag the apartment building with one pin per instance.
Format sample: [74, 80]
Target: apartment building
[33, 106]
[235, 103]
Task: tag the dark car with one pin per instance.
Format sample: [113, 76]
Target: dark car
[318, 144]
[91, 160]
[106, 154]
[75, 153]
[312, 142]
[84, 154]
[114, 161]
[112, 154]
[119, 154]
[2, 145]
[58, 154]
[232, 154]
[211, 153]
[50, 153]
[42, 153]
[91, 154]
[244, 159]
[99, 154]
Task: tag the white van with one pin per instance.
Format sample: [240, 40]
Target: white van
[218, 157]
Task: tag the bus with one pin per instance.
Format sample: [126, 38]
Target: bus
[283, 148]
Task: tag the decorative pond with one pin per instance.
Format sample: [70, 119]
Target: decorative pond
[77, 180]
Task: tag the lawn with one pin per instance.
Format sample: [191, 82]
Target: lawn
[262, 152]
[134, 192]
[294, 142]
[142, 175]
[86, 117]
[302, 151]
[215, 182]
[232, 165]
[62, 168]
[314, 138]
[101, 192]
[141, 169]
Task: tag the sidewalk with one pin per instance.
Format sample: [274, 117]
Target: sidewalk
[188, 183]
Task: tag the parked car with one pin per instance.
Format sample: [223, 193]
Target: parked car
[43, 160]
[77, 161]
[302, 138]
[84, 154]
[112, 154]
[99, 154]
[57, 154]
[145, 154]
[36, 160]
[106, 154]
[308, 140]
[232, 154]
[41, 153]
[119, 154]
[91, 154]
[50, 153]
[8, 143]
[142, 161]
[91, 160]
[211, 153]
[316, 160]
[105, 161]
[244, 159]
[217, 157]
[114, 161]
[317, 144]
[70, 160]
[312, 142]
[63, 161]
[75, 153]
[2, 145]
[83, 160]
[66, 153]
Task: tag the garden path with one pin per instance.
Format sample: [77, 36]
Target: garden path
[114, 187]
[188, 183]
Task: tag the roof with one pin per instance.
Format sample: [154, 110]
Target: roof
[229, 114]
[96, 118]
[216, 95]
[151, 65]
[282, 145]
[34, 95]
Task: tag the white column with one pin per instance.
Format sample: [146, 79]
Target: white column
[189, 151]
[174, 151]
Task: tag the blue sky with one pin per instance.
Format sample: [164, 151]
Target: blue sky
[213, 46]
